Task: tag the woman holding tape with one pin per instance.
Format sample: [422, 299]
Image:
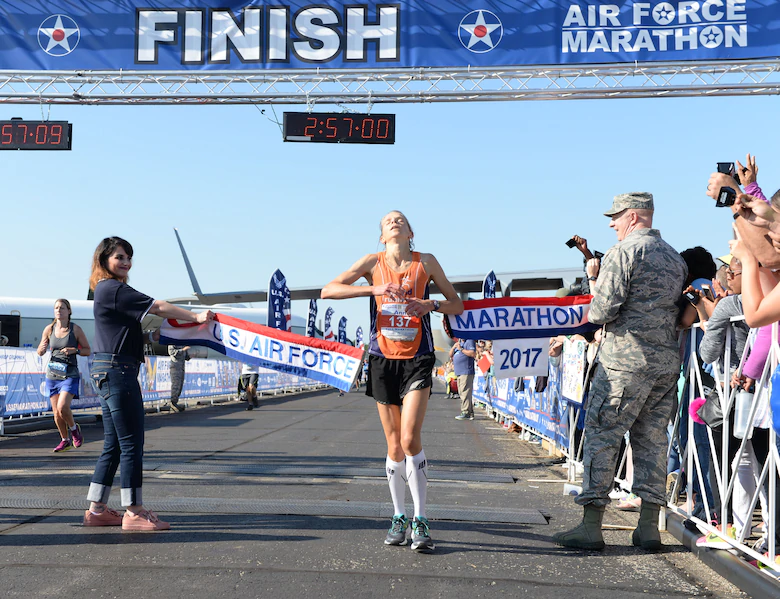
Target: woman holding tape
[119, 310]
[401, 359]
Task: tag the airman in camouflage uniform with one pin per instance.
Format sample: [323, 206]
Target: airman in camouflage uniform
[635, 293]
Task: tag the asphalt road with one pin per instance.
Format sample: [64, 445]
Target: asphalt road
[290, 500]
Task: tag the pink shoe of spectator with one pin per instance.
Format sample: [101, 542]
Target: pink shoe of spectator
[143, 521]
[107, 517]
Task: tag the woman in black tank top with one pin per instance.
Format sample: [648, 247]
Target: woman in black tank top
[65, 340]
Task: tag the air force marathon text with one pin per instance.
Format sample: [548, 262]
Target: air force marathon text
[360, 33]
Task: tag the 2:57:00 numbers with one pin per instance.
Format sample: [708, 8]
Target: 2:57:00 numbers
[347, 128]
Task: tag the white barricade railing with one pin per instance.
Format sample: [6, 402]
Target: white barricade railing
[726, 478]
[726, 474]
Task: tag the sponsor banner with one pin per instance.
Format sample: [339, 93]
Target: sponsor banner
[573, 381]
[343, 329]
[23, 384]
[521, 318]
[545, 412]
[279, 315]
[359, 337]
[520, 357]
[489, 285]
[311, 327]
[331, 363]
[196, 35]
[327, 331]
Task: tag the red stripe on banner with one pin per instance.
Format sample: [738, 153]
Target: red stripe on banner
[526, 301]
[332, 346]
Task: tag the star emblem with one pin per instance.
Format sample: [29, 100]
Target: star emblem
[480, 31]
[58, 35]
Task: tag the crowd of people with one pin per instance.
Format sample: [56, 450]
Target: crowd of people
[683, 338]
[642, 365]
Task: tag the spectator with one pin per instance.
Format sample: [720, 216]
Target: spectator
[635, 295]
[249, 378]
[119, 344]
[66, 340]
[462, 354]
[179, 355]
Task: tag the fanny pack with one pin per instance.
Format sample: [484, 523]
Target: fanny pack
[57, 370]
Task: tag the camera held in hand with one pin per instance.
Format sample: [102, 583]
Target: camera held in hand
[692, 297]
[727, 196]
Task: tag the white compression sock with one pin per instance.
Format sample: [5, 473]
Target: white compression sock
[417, 475]
[397, 482]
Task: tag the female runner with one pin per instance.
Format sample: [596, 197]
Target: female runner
[66, 341]
[119, 310]
[401, 359]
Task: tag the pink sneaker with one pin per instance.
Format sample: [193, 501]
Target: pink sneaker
[78, 439]
[107, 517]
[64, 445]
[146, 520]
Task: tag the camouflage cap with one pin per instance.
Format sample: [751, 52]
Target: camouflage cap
[640, 200]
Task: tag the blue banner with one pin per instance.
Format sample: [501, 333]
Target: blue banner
[489, 286]
[76, 35]
[327, 331]
[23, 385]
[279, 316]
[359, 337]
[311, 327]
[343, 329]
[544, 411]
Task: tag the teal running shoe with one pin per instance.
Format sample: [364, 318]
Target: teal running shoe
[397, 533]
[421, 536]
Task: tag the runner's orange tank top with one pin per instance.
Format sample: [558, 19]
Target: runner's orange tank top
[394, 334]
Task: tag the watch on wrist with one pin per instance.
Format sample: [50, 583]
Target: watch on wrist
[436, 305]
[593, 278]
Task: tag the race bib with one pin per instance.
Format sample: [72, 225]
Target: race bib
[396, 325]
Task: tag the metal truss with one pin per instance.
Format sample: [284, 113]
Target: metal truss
[352, 86]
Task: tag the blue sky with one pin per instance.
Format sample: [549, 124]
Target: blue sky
[485, 185]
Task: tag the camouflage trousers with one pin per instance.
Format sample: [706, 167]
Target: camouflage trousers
[177, 379]
[621, 401]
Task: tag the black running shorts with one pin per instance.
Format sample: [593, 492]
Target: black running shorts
[390, 380]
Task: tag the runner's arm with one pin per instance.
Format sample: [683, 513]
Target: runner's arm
[84, 349]
[342, 286]
[453, 304]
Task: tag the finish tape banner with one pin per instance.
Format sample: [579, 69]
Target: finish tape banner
[151, 35]
[332, 363]
[521, 318]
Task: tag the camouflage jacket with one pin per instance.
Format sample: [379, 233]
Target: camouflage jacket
[640, 280]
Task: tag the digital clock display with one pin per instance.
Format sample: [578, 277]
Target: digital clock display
[339, 127]
[35, 135]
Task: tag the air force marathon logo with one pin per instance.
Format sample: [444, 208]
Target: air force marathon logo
[480, 31]
[58, 35]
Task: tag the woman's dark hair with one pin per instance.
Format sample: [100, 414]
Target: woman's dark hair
[700, 264]
[100, 259]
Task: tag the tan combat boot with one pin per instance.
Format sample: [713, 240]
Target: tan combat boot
[588, 534]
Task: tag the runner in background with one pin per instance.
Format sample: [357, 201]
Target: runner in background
[401, 359]
[66, 341]
[249, 377]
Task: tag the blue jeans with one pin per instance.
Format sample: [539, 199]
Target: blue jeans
[116, 380]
